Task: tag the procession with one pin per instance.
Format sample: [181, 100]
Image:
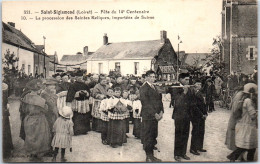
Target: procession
[77, 104]
[156, 90]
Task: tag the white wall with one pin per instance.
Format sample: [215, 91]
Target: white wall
[25, 57]
[126, 66]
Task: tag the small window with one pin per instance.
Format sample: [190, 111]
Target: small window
[136, 67]
[23, 68]
[29, 69]
[117, 67]
[100, 68]
[251, 53]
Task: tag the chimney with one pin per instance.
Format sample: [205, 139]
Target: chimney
[163, 36]
[85, 50]
[105, 39]
[11, 24]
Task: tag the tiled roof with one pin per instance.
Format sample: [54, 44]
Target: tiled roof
[13, 36]
[128, 50]
[52, 57]
[77, 57]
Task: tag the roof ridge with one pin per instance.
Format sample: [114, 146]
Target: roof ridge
[20, 34]
[134, 41]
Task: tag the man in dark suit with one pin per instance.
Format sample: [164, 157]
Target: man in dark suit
[199, 114]
[183, 104]
[152, 112]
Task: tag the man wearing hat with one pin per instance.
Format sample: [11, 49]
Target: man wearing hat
[133, 85]
[151, 113]
[78, 99]
[199, 114]
[209, 90]
[184, 102]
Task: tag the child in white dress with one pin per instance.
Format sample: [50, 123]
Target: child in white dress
[63, 132]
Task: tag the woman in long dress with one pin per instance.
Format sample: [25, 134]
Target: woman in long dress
[246, 128]
[7, 135]
[236, 114]
[36, 127]
[99, 93]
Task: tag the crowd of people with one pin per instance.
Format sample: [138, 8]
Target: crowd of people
[53, 109]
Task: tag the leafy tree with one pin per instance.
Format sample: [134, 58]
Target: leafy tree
[215, 57]
[10, 71]
[9, 64]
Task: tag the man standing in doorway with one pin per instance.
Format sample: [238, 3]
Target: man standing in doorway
[152, 113]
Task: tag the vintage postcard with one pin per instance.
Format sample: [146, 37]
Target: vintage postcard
[129, 81]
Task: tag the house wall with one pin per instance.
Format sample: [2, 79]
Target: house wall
[166, 56]
[39, 64]
[241, 54]
[25, 57]
[126, 66]
[244, 36]
[70, 68]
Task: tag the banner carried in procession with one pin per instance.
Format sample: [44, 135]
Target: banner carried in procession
[167, 69]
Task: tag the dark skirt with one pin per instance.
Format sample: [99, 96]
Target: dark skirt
[127, 125]
[81, 123]
[22, 133]
[137, 128]
[7, 138]
[116, 132]
[96, 124]
[104, 130]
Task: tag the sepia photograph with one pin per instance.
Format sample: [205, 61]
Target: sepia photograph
[129, 81]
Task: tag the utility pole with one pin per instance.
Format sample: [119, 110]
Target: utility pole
[179, 41]
[44, 64]
[178, 64]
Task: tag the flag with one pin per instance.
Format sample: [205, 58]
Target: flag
[44, 37]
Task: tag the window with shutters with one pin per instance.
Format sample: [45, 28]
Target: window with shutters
[251, 53]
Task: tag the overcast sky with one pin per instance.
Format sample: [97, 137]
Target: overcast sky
[196, 22]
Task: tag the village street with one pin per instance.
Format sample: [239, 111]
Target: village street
[88, 148]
